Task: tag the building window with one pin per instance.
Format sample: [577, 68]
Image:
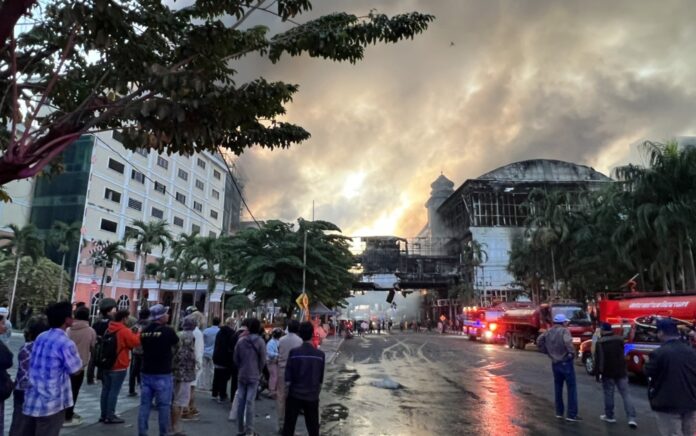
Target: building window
[116, 166]
[181, 198]
[216, 174]
[212, 234]
[213, 214]
[112, 195]
[142, 151]
[123, 302]
[129, 266]
[216, 194]
[183, 175]
[157, 213]
[135, 204]
[195, 228]
[160, 188]
[117, 135]
[162, 162]
[179, 222]
[199, 184]
[108, 226]
[201, 163]
[198, 206]
[137, 176]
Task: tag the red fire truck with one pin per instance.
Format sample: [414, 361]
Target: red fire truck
[524, 325]
[633, 315]
[481, 323]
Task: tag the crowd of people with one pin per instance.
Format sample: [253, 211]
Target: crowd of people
[235, 362]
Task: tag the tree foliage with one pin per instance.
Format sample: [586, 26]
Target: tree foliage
[38, 282]
[164, 75]
[268, 262]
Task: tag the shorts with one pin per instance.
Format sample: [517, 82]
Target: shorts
[182, 393]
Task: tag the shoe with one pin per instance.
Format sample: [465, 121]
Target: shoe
[573, 419]
[605, 418]
[114, 420]
[102, 419]
[189, 418]
[75, 415]
[73, 422]
[632, 423]
[559, 416]
[132, 394]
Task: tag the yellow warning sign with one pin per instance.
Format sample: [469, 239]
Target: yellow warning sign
[303, 301]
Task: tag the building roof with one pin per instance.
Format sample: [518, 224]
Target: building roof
[544, 170]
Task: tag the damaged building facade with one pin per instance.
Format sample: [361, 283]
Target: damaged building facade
[490, 210]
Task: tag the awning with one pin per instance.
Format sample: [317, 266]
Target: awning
[318, 309]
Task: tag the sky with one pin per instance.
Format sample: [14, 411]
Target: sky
[490, 83]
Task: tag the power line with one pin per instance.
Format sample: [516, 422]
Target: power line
[234, 182]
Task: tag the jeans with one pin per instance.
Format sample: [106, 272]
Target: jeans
[311, 415]
[621, 384]
[246, 393]
[160, 387]
[676, 424]
[565, 372]
[281, 396]
[75, 383]
[111, 386]
[44, 425]
[134, 372]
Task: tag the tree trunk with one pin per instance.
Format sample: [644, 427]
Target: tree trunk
[143, 304]
[553, 269]
[60, 284]
[177, 305]
[101, 286]
[14, 285]
[691, 274]
[681, 265]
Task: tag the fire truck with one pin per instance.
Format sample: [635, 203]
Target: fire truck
[524, 325]
[633, 315]
[481, 323]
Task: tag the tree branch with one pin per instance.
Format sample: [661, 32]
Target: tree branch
[10, 12]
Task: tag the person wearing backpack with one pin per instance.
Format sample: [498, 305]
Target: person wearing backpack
[107, 309]
[114, 360]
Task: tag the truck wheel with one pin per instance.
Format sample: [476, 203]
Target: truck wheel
[521, 343]
[589, 363]
[508, 339]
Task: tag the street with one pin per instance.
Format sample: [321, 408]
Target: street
[449, 385]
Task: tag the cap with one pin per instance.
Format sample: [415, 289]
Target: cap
[107, 304]
[560, 319]
[667, 326]
[4, 311]
[606, 327]
[158, 311]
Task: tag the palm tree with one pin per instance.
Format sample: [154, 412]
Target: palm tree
[21, 242]
[112, 253]
[148, 236]
[64, 237]
[157, 270]
[211, 250]
[184, 253]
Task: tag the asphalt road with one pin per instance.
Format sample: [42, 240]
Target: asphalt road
[448, 385]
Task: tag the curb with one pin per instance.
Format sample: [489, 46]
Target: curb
[336, 352]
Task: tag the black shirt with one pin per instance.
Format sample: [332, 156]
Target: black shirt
[157, 341]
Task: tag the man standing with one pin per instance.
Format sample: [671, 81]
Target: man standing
[250, 358]
[611, 365]
[184, 366]
[84, 338]
[285, 345]
[209, 336]
[113, 377]
[54, 358]
[672, 372]
[107, 309]
[223, 358]
[304, 375]
[157, 340]
[557, 343]
[137, 355]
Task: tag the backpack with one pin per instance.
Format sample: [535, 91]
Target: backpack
[106, 351]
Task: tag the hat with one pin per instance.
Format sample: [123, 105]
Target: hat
[606, 327]
[4, 311]
[107, 304]
[191, 309]
[189, 323]
[667, 326]
[158, 311]
[560, 319]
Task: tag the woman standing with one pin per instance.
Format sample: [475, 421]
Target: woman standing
[272, 361]
[5, 380]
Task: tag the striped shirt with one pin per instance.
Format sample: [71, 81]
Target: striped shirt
[53, 358]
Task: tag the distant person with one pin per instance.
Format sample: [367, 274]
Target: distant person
[611, 366]
[250, 358]
[6, 335]
[286, 344]
[209, 336]
[557, 343]
[191, 412]
[85, 338]
[5, 380]
[115, 373]
[672, 382]
[107, 310]
[54, 358]
[34, 326]
[223, 360]
[184, 368]
[158, 341]
[304, 375]
[272, 361]
[136, 365]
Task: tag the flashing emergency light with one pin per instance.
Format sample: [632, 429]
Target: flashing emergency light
[492, 326]
[488, 334]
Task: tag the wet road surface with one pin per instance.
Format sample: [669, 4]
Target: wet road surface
[430, 384]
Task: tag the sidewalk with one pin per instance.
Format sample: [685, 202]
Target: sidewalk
[213, 418]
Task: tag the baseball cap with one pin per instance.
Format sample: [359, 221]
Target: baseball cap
[560, 319]
[158, 311]
[667, 326]
[4, 311]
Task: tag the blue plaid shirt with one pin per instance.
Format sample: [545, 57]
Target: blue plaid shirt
[53, 358]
